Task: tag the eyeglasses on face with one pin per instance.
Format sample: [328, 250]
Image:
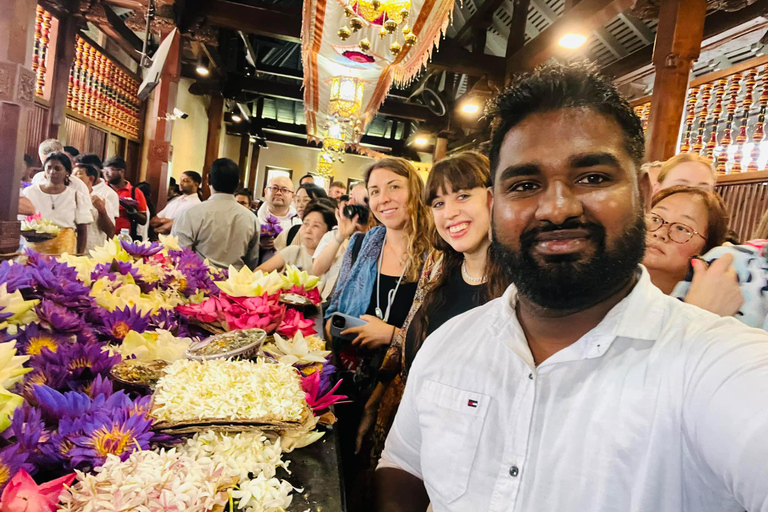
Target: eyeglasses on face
[282, 190]
[678, 232]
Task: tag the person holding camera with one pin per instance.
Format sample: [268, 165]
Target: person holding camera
[350, 219]
[375, 290]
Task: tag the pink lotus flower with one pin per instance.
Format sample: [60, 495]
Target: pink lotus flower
[293, 322]
[313, 294]
[23, 495]
[263, 312]
[316, 399]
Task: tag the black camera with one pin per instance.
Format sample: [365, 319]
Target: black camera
[338, 321]
[361, 211]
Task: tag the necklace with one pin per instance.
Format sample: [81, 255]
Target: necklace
[391, 295]
[53, 203]
[469, 277]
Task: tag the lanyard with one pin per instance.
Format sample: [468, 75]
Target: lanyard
[391, 295]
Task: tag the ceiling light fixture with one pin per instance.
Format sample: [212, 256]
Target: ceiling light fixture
[236, 118]
[572, 41]
[202, 71]
[421, 140]
[470, 108]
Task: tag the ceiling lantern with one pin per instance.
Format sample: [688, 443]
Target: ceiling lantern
[346, 97]
[324, 164]
[334, 140]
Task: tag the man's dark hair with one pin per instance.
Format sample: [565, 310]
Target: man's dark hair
[89, 171]
[62, 158]
[244, 192]
[89, 159]
[305, 177]
[116, 162]
[556, 86]
[71, 150]
[194, 176]
[224, 176]
[28, 162]
[323, 207]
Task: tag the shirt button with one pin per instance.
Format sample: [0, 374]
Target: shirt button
[530, 376]
[514, 471]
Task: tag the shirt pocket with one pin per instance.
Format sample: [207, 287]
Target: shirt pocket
[451, 422]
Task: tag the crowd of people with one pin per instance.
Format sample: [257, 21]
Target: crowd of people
[600, 367]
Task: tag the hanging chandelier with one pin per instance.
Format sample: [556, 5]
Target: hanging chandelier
[384, 16]
[346, 97]
[324, 164]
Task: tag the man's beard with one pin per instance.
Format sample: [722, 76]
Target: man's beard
[115, 180]
[563, 282]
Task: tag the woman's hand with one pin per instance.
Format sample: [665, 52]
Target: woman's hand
[346, 226]
[376, 333]
[716, 288]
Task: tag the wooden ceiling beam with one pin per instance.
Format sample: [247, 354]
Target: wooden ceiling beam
[714, 25]
[481, 19]
[253, 19]
[586, 16]
[451, 56]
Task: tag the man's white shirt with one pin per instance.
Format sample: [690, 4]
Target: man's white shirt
[662, 407]
[179, 204]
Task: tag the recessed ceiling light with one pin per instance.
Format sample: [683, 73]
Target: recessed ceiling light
[572, 41]
[421, 141]
[236, 118]
[202, 71]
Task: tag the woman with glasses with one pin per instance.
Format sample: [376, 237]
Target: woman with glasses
[683, 224]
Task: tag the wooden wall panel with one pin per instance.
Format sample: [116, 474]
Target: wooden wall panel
[36, 130]
[745, 203]
[97, 142]
[75, 133]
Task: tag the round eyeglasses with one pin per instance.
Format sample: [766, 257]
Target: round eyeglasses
[678, 232]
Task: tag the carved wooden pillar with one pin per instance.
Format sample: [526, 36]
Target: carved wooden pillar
[215, 117]
[254, 171]
[159, 127]
[441, 148]
[245, 146]
[17, 90]
[66, 42]
[678, 44]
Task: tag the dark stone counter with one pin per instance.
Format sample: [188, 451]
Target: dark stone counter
[315, 468]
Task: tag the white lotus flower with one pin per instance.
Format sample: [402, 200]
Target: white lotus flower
[295, 351]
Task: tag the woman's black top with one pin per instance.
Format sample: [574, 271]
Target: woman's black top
[461, 297]
[401, 304]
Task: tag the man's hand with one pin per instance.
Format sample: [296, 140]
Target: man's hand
[716, 288]
[99, 204]
[267, 243]
[399, 491]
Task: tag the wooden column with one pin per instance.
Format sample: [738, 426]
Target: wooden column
[678, 44]
[17, 91]
[66, 41]
[254, 170]
[516, 39]
[245, 146]
[215, 117]
[159, 129]
[441, 148]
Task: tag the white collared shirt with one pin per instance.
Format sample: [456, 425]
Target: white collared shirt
[177, 205]
[111, 200]
[662, 407]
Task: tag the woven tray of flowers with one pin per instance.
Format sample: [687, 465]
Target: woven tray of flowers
[229, 395]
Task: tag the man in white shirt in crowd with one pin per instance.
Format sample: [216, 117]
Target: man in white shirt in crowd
[100, 187]
[584, 388]
[189, 184]
[278, 202]
[47, 147]
[104, 215]
[219, 229]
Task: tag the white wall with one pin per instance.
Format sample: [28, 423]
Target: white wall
[189, 135]
[303, 160]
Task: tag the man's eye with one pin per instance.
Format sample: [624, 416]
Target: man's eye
[525, 186]
[593, 179]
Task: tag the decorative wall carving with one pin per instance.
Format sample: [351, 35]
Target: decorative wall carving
[649, 9]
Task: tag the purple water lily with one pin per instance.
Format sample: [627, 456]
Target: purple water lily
[35, 338]
[72, 367]
[58, 318]
[140, 250]
[116, 324]
[111, 269]
[196, 273]
[11, 460]
[271, 227]
[115, 436]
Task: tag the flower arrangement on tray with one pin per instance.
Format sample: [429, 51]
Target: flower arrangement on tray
[93, 366]
[35, 228]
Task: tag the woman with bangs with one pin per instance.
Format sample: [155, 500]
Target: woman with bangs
[377, 282]
[461, 273]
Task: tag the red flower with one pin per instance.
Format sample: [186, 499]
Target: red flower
[293, 322]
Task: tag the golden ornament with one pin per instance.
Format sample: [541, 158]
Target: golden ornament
[376, 4]
[355, 23]
[365, 45]
[343, 33]
[404, 14]
[349, 12]
[383, 32]
[411, 39]
[406, 30]
[395, 48]
[390, 26]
